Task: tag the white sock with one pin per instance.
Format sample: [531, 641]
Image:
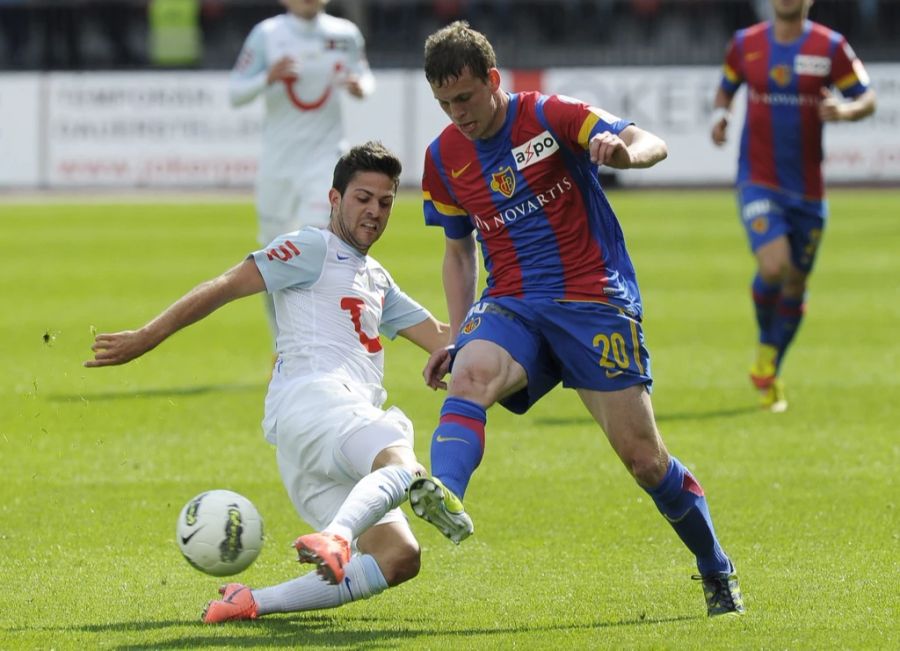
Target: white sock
[372, 496]
[309, 592]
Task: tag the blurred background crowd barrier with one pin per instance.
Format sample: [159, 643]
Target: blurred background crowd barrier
[207, 34]
[134, 93]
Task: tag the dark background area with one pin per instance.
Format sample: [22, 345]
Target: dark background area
[115, 34]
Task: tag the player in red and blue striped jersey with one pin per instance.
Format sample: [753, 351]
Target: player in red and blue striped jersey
[517, 174]
[790, 65]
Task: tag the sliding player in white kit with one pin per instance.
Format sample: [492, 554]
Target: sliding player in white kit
[298, 61]
[345, 462]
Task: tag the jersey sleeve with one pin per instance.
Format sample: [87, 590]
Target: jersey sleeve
[577, 122]
[440, 206]
[847, 71]
[732, 75]
[357, 62]
[292, 260]
[248, 76]
[399, 312]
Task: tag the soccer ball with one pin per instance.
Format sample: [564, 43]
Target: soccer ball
[220, 532]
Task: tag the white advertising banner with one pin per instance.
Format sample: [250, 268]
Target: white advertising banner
[148, 129]
[178, 129]
[20, 144]
[675, 104]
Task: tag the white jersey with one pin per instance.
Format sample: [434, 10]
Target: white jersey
[325, 398]
[303, 116]
[331, 305]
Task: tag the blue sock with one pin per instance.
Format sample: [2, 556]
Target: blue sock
[765, 303]
[457, 445]
[790, 314]
[680, 499]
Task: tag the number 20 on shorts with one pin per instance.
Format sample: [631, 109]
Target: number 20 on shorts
[613, 351]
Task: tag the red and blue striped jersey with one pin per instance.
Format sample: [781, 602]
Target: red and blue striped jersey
[781, 143]
[534, 199]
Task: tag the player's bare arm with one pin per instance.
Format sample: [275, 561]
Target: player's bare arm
[460, 274]
[632, 148]
[434, 337]
[833, 109]
[429, 335]
[112, 349]
[720, 116]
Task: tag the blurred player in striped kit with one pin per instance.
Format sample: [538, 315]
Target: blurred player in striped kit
[298, 61]
[790, 65]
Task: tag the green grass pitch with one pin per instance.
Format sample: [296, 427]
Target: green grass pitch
[568, 552]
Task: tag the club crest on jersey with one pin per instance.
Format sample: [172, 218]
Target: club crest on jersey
[471, 325]
[504, 181]
[535, 150]
[781, 75]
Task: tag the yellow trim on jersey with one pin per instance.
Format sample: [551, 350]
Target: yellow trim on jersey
[584, 134]
[847, 80]
[444, 208]
[730, 74]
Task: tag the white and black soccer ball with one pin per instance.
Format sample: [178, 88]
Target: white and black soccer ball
[220, 532]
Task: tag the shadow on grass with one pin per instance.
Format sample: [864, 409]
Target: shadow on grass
[661, 417]
[156, 393]
[295, 631]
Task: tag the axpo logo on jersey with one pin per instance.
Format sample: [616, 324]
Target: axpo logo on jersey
[535, 150]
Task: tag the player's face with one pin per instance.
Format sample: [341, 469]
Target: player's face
[791, 9]
[304, 8]
[361, 215]
[474, 105]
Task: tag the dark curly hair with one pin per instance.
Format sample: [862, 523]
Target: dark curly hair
[368, 157]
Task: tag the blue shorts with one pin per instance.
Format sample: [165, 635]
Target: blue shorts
[767, 214]
[585, 345]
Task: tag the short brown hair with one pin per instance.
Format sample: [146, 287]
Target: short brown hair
[455, 47]
[368, 157]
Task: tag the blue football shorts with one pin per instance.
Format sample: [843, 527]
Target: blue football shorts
[585, 345]
[767, 214]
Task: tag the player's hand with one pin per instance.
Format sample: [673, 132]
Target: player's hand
[609, 149]
[437, 367]
[112, 349]
[285, 69]
[719, 130]
[830, 109]
[351, 85]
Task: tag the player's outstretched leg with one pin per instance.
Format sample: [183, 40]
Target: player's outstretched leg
[723, 593]
[434, 502]
[237, 603]
[327, 551]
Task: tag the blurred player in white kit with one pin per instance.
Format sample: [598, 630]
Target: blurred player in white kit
[299, 61]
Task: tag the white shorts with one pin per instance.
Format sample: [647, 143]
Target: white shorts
[284, 204]
[327, 434]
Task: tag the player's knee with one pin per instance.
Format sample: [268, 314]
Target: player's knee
[772, 271]
[401, 562]
[398, 455]
[647, 465]
[477, 382]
